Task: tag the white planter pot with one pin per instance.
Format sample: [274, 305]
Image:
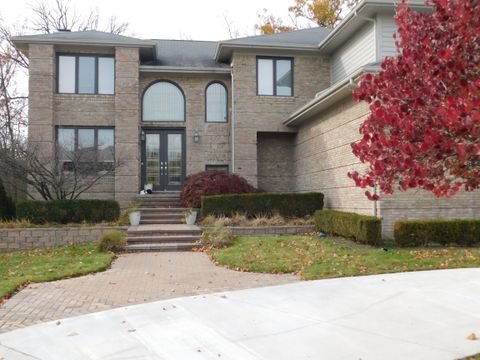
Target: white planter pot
[191, 217]
[135, 218]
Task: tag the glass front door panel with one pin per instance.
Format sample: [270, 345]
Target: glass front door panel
[174, 162]
[152, 157]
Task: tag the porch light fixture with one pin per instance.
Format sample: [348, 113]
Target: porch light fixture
[143, 135]
[196, 136]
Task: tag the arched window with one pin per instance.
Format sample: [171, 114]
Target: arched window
[216, 103]
[163, 101]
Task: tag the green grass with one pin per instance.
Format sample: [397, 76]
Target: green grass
[316, 258]
[22, 267]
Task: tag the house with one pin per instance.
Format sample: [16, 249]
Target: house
[276, 109]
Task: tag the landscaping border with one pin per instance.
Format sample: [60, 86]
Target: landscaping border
[13, 239]
[269, 230]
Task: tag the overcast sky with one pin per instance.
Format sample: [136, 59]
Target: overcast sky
[173, 19]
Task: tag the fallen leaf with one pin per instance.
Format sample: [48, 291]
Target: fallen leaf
[58, 323]
[73, 333]
[472, 336]
[132, 330]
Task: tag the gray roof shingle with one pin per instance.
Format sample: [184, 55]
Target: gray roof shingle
[186, 53]
[305, 37]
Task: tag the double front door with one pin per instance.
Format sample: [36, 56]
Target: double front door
[163, 163]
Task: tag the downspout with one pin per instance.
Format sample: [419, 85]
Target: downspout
[233, 120]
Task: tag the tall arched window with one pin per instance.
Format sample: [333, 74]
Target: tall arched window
[163, 101]
[216, 103]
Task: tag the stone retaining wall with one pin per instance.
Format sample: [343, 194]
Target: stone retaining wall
[270, 230]
[41, 238]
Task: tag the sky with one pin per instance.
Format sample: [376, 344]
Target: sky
[173, 19]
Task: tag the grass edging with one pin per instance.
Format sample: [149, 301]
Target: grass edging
[321, 258]
[68, 266]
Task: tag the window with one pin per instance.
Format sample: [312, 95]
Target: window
[275, 76]
[216, 168]
[216, 103]
[163, 101]
[86, 74]
[88, 149]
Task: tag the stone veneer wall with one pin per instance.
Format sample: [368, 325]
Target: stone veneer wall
[42, 238]
[275, 161]
[214, 145]
[265, 113]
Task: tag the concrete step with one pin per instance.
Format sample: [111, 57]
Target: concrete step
[163, 230]
[163, 239]
[156, 210]
[163, 216]
[144, 247]
[161, 221]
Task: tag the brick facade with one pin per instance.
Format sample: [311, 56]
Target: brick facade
[213, 147]
[313, 156]
[265, 113]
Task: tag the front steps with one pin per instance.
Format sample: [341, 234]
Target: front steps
[162, 225]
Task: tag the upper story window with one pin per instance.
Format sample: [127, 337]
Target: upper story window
[86, 74]
[163, 101]
[274, 76]
[216, 102]
[85, 149]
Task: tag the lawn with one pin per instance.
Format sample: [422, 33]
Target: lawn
[319, 258]
[19, 268]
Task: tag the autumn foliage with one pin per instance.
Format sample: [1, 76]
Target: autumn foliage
[424, 126]
[212, 183]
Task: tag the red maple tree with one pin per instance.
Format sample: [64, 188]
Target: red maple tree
[424, 126]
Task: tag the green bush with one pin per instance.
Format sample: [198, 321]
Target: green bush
[7, 206]
[68, 211]
[267, 204]
[363, 229]
[113, 241]
[443, 232]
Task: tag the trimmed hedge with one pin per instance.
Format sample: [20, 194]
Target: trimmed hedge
[286, 204]
[7, 206]
[363, 229]
[68, 211]
[443, 232]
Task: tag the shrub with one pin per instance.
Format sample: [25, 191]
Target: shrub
[443, 232]
[216, 237]
[263, 204]
[113, 241]
[363, 229]
[7, 206]
[212, 183]
[68, 211]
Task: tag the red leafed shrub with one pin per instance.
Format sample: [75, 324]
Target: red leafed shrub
[424, 126]
[212, 183]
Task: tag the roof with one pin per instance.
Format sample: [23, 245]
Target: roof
[306, 39]
[329, 96]
[185, 54]
[89, 37]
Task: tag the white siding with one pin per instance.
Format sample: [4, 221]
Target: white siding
[359, 50]
[385, 42]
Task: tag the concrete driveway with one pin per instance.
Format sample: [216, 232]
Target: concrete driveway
[423, 315]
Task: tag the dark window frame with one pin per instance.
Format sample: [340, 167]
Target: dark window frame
[161, 121]
[226, 102]
[214, 167]
[274, 59]
[76, 128]
[77, 68]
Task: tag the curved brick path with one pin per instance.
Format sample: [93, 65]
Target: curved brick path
[133, 279]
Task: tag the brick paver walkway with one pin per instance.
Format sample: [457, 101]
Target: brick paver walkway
[133, 279]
